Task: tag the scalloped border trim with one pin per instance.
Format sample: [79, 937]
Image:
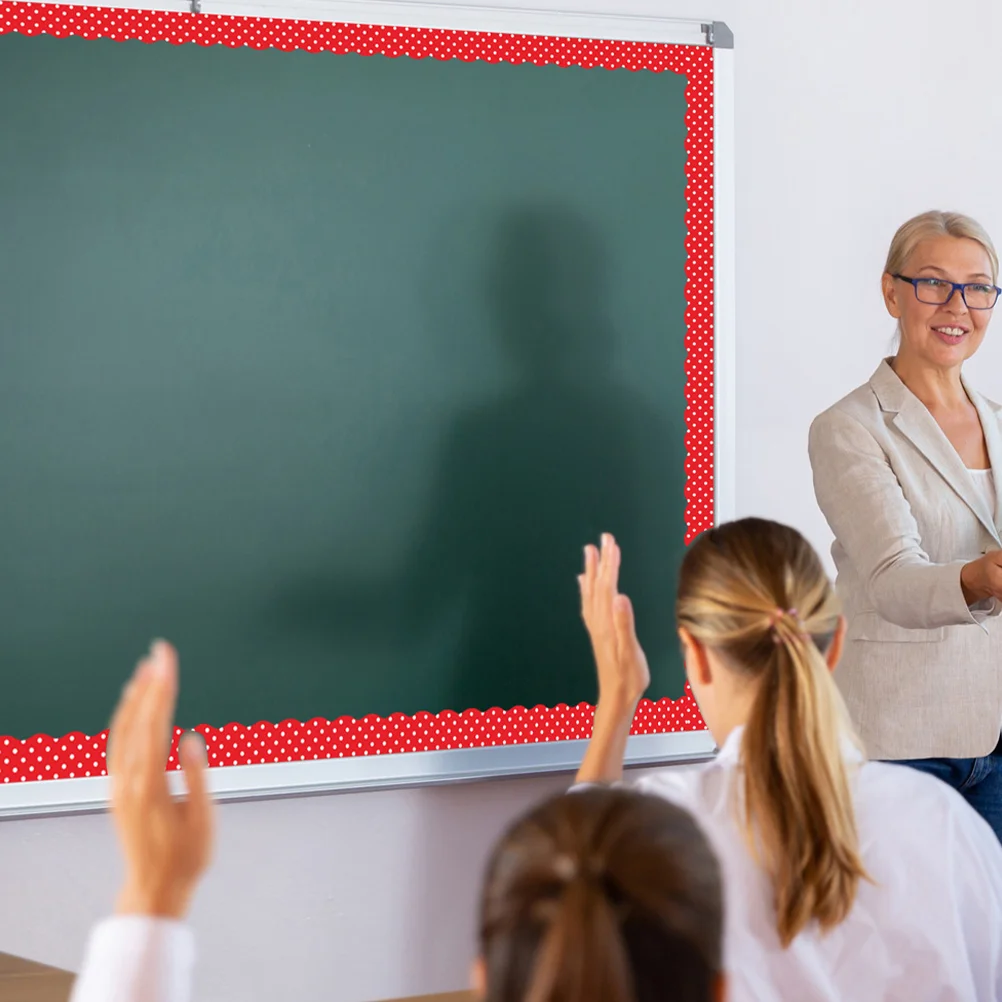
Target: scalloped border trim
[77, 755]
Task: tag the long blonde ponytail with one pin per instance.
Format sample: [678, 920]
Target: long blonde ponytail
[755, 592]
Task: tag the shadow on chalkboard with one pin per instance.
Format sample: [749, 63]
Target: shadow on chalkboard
[522, 483]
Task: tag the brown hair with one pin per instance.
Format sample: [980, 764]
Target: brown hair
[937, 224]
[602, 895]
[755, 592]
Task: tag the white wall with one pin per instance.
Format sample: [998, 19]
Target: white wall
[345, 897]
[851, 116]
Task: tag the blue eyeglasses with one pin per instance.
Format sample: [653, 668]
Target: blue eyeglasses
[938, 292]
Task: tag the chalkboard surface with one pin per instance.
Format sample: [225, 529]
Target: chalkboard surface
[325, 367]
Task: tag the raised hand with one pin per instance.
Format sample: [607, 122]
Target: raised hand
[623, 674]
[166, 841]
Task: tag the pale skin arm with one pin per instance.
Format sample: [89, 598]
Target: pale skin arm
[166, 841]
[623, 674]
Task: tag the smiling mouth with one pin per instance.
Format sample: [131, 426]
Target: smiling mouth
[951, 333]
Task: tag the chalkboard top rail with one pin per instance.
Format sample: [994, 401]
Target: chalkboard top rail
[462, 17]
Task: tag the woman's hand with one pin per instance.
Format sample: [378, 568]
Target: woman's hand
[623, 675]
[167, 842]
[982, 578]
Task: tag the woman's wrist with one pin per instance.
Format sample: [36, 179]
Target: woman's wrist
[972, 582]
[152, 901]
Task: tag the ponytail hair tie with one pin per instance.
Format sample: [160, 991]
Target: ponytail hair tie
[565, 868]
[777, 616]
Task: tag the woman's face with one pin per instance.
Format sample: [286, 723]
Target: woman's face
[941, 336]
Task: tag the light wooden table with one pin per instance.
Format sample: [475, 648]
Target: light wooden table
[24, 981]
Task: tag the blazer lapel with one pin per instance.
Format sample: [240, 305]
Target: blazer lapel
[913, 420]
[993, 439]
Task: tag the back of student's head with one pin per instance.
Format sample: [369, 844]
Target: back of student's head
[756, 593]
[602, 895]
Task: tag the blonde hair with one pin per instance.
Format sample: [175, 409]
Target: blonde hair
[755, 592]
[937, 224]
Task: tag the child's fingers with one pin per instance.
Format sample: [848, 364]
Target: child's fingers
[587, 580]
[151, 739]
[608, 571]
[124, 718]
[626, 628]
[165, 658]
[198, 806]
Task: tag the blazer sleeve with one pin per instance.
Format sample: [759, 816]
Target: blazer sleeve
[865, 508]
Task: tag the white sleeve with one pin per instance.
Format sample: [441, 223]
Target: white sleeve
[137, 958]
[980, 891]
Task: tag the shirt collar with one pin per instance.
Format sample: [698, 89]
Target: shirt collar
[730, 751]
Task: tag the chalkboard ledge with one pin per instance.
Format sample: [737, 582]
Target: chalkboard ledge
[76, 755]
[367, 772]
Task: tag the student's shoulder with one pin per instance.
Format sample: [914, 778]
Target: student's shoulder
[684, 785]
[924, 809]
[890, 787]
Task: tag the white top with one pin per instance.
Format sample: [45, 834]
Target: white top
[984, 481]
[929, 929]
[134, 958]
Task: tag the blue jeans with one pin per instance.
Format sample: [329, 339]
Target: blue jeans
[978, 780]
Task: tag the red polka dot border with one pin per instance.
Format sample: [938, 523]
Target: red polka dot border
[78, 755]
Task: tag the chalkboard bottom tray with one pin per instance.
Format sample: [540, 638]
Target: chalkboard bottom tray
[77, 755]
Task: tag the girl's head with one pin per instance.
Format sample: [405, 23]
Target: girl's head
[604, 895]
[761, 630]
[938, 327]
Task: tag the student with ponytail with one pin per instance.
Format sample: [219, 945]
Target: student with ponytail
[604, 896]
[844, 879]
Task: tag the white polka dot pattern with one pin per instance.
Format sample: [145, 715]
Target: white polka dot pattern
[75, 755]
[292, 741]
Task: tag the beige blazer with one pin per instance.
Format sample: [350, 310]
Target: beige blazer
[921, 673]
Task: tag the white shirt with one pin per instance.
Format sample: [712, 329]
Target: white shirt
[135, 958]
[984, 481]
[929, 929]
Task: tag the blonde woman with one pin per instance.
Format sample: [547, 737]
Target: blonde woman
[843, 879]
[904, 471]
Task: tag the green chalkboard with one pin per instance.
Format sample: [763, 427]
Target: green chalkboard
[325, 367]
